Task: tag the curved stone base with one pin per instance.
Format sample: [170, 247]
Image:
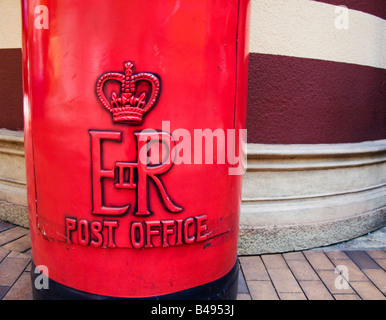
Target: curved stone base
[303, 196]
[13, 193]
[284, 238]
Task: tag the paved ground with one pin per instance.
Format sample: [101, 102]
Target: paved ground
[354, 270]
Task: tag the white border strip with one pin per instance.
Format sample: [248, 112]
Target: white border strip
[10, 24]
[310, 29]
[297, 28]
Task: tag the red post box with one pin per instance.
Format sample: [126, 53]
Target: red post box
[134, 117]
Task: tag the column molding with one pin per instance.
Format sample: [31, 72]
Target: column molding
[301, 196]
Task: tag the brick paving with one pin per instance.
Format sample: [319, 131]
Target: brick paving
[303, 275]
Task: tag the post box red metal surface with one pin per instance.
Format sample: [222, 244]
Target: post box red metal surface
[133, 117]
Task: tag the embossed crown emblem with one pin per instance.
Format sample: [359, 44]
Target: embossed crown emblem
[139, 92]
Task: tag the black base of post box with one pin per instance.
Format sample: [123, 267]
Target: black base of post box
[224, 288]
